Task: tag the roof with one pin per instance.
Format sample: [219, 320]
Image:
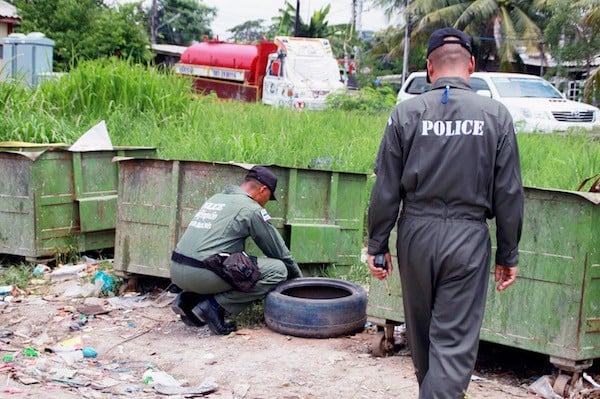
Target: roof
[167, 49]
[8, 10]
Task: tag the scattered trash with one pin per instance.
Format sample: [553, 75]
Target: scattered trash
[72, 382]
[105, 282]
[26, 380]
[5, 333]
[589, 379]
[68, 272]
[157, 377]
[543, 387]
[30, 352]
[127, 302]
[204, 388]
[6, 289]
[14, 391]
[39, 270]
[476, 378]
[67, 345]
[88, 260]
[89, 352]
[92, 309]
[76, 290]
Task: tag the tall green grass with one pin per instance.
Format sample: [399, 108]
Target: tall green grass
[147, 107]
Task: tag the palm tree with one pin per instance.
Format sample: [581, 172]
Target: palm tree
[499, 27]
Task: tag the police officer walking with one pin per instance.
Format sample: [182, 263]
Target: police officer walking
[221, 226]
[449, 157]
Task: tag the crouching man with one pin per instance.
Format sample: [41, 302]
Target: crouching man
[218, 229]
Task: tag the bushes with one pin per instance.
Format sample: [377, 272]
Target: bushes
[369, 100]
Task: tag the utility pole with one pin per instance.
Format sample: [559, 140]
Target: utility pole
[406, 42]
[353, 15]
[359, 12]
[153, 18]
[297, 23]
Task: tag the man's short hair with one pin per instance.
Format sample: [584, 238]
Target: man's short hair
[438, 39]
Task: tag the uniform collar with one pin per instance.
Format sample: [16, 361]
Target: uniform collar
[233, 189]
[454, 82]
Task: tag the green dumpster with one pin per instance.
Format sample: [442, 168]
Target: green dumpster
[319, 213]
[56, 201]
[554, 307]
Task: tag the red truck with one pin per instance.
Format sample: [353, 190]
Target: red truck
[291, 71]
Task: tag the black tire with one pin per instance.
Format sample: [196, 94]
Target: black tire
[316, 307]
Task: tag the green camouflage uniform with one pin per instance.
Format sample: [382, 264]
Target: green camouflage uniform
[221, 226]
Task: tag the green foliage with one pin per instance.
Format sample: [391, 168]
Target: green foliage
[559, 160]
[318, 26]
[516, 21]
[182, 21]
[357, 273]
[571, 34]
[248, 32]
[143, 107]
[592, 88]
[252, 316]
[16, 274]
[370, 100]
[84, 29]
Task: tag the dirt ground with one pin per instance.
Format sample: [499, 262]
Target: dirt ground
[141, 346]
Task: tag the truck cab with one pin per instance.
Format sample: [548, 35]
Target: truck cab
[301, 74]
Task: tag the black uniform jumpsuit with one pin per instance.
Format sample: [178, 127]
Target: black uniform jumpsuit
[450, 157]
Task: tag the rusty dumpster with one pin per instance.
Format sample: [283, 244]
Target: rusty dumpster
[554, 306]
[53, 200]
[319, 213]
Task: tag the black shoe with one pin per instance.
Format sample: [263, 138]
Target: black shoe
[183, 304]
[213, 315]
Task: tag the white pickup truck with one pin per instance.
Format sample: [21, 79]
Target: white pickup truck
[533, 102]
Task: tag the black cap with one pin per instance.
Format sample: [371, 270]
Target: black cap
[437, 39]
[265, 176]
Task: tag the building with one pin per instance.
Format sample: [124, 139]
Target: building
[8, 19]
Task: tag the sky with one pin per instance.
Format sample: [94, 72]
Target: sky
[235, 12]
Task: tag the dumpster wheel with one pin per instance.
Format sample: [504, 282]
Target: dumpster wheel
[381, 345]
[561, 385]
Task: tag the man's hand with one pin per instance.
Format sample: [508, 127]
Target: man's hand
[378, 272]
[505, 276]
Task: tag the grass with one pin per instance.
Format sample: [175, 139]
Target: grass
[559, 161]
[146, 107]
[16, 274]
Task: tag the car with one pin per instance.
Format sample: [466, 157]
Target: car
[535, 105]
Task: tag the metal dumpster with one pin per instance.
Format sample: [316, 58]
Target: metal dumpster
[319, 213]
[554, 307]
[56, 201]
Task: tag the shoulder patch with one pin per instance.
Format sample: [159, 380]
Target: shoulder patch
[265, 215]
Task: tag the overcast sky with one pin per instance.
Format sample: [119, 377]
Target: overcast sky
[235, 12]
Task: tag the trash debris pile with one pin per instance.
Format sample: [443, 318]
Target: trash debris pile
[54, 352]
[565, 386]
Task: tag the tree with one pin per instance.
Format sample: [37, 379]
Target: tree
[85, 29]
[499, 26]
[572, 31]
[249, 31]
[284, 23]
[182, 21]
[572, 34]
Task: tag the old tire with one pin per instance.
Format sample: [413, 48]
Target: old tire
[316, 307]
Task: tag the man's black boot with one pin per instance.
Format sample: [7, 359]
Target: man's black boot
[213, 314]
[183, 304]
